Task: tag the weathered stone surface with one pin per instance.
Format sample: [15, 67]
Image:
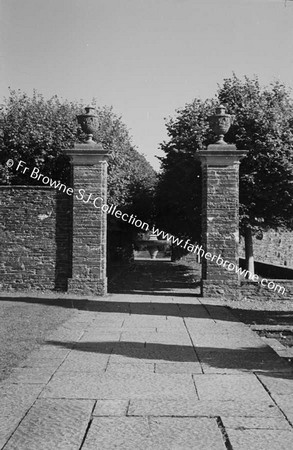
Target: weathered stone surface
[261, 439]
[53, 424]
[129, 433]
[120, 386]
[209, 369]
[87, 365]
[164, 407]
[144, 322]
[136, 407]
[125, 351]
[285, 403]
[42, 363]
[89, 228]
[111, 408]
[278, 383]
[142, 433]
[22, 375]
[243, 360]
[185, 433]
[95, 336]
[162, 337]
[50, 352]
[257, 423]
[89, 357]
[230, 387]
[220, 218]
[131, 367]
[65, 334]
[250, 290]
[203, 408]
[275, 247]
[35, 238]
[16, 399]
[178, 367]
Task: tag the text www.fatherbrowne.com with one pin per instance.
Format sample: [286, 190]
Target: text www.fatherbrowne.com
[98, 202]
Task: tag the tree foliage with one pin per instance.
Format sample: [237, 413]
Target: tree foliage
[263, 125]
[37, 131]
[179, 187]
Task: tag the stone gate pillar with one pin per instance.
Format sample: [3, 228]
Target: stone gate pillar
[89, 221]
[220, 211]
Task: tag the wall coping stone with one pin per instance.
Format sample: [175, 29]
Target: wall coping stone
[32, 187]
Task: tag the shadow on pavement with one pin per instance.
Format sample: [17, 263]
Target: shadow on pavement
[199, 311]
[247, 359]
[140, 308]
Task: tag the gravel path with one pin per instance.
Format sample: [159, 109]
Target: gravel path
[24, 324]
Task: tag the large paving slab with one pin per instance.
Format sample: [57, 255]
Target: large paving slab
[261, 439]
[230, 387]
[203, 408]
[144, 433]
[16, 400]
[119, 386]
[256, 423]
[52, 424]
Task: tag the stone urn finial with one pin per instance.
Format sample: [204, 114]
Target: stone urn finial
[88, 122]
[220, 123]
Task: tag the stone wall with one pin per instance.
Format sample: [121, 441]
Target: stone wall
[35, 238]
[250, 290]
[220, 227]
[89, 230]
[274, 248]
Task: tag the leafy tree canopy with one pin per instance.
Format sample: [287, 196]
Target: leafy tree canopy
[37, 131]
[263, 125]
[179, 188]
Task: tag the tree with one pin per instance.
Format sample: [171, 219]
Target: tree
[264, 126]
[37, 131]
[179, 188]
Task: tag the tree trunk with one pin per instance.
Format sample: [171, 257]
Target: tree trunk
[249, 250]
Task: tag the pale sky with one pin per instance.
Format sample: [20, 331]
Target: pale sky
[144, 57]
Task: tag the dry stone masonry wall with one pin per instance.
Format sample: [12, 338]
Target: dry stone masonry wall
[35, 238]
[276, 247]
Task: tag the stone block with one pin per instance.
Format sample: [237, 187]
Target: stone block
[261, 439]
[120, 386]
[111, 408]
[142, 433]
[16, 400]
[129, 433]
[256, 423]
[53, 424]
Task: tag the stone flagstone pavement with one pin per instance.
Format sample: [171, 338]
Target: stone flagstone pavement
[151, 369]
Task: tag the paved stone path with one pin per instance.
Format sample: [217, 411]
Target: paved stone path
[158, 368]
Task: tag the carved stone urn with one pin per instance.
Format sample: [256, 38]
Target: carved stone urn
[220, 123]
[88, 122]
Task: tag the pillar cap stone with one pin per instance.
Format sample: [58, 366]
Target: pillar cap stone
[220, 155]
[87, 154]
